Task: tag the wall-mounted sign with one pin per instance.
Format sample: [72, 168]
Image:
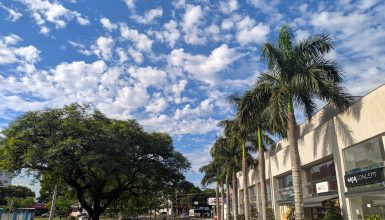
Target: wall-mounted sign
[213, 201]
[322, 187]
[365, 177]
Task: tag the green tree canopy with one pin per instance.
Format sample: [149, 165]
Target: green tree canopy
[98, 157]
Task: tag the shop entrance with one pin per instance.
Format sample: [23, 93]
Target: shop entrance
[366, 206]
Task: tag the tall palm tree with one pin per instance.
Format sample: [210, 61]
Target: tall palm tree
[252, 116]
[236, 135]
[297, 74]
[211, 176]
[230, 156]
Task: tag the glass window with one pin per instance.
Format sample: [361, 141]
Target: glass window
[365, 154]
[285, 181]
[321, 173]
[268, 191]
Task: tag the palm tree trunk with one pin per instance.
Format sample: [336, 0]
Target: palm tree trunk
[223, 202]
[295, 164]
[217, 202]
[262, 175]
[245, 190]
[227, 197]
[235, 196]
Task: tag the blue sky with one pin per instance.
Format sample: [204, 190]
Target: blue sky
[169, 64]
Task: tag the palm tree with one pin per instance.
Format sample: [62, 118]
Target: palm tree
[230, 155]
[297, 74]
[236, 135]
[251, 114]
[211, 176]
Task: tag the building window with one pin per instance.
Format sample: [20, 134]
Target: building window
[252, 194]
[365, 154]
[285, 185]
[285, 181]
[268, 191]
[321, 174]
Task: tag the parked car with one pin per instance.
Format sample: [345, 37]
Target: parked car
[45, 215]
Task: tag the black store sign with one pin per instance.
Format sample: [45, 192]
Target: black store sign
[365, 177]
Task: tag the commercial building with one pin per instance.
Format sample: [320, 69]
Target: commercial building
[342, 158]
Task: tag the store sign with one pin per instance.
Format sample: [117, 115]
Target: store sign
[322, 187]
[365, 177]
[213, 201]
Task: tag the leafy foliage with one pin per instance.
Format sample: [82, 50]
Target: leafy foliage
[99, 158]
[332, 210]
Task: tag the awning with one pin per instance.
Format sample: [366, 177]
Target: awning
[286, 201]
[365, 192]
[317, 200]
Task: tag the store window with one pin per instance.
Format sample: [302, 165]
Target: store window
[321, 178]
[285, 181]
[252, 194]
[365, 154]
[285, 185]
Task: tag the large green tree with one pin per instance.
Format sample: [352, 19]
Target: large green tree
[298, 73]
[98, 157]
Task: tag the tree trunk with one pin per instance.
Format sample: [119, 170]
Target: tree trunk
[227, 198]
[245, 190]
[262, 175]
[223, 202]
[295, 165]
[53, 204]
[235, 196]
[218, 213]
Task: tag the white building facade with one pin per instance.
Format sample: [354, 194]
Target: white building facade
[342, 158]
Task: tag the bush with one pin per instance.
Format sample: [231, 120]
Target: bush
[373, 217]
[270, 213]
[332, 210]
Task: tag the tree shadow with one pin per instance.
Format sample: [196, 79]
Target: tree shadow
[331, 125]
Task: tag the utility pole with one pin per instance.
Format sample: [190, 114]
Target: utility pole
[53, 205]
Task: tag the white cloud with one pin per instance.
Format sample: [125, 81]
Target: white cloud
[204, 68]
[191, 25]
[44, 11]
[10, 54]
[103, 47]
[13, 14]
[170, 34]
[130, 4]
[250, 32]
[107, 24]
[149, 16]
[156, 106]
[229, 6]
[199, 157]
[141, 41]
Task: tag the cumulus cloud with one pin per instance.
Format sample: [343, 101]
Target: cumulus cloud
[204, 68]
[106, 23]
[45, 12]
[250, 32]
[103, 47]
[140, 40]
[149, 16]
[191, 25]
[229, 6]
[169, 34]
[10, 53]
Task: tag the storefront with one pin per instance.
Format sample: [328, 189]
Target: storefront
[285, 195]
[364, 178]
[321, 186]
